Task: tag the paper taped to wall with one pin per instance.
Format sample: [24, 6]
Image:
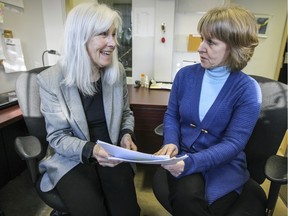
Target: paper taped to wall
[14, 59]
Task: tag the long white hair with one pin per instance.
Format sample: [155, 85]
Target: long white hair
[83, 22]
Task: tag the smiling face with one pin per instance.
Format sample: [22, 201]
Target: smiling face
[213, 53]
[100, 47]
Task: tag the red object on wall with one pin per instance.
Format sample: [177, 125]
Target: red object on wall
[163, 39]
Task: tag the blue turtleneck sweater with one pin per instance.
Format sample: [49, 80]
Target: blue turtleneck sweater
[212, 84]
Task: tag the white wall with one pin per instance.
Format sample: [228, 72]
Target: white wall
[143, 13]
[54, 16]
[163, 51]
[187, 14]
[266, 55]
[38, 29]
[159, 60]
[28, 27]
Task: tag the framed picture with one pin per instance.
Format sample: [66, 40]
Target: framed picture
[263, 23]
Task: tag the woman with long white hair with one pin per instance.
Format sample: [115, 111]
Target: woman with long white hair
[84, 98]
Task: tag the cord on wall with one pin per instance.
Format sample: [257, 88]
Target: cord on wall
[53, 52]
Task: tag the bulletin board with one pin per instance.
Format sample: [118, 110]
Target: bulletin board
[16, 3]
[193, 43]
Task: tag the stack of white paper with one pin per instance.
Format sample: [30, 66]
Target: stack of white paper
[122, 154]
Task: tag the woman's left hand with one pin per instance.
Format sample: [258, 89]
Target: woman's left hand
[168, 149]
[127, 142]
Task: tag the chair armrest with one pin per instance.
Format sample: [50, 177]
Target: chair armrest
[159, 130]
[276, 172]
[276, 169]
[28, 147]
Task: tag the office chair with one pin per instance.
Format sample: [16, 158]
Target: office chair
[262, 160]
[33, 148]
[1, 213]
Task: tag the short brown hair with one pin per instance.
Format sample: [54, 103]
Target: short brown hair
[235, 26]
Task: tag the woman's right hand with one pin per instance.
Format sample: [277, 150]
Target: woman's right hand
[168, 149]
[102, 157]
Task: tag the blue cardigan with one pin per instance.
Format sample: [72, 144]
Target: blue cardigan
[215, 145]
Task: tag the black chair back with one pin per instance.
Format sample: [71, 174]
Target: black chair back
[270, 128]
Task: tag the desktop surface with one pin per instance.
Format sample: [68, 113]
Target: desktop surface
[145, 96]
[10, 115]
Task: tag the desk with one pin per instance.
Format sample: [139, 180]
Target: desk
[10, 115]
[11, 125]
[148, 107]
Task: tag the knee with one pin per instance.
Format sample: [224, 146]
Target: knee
[187, 196]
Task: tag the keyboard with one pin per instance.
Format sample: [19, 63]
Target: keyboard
[8, 99]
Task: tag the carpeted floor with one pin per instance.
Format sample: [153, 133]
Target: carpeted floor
[18, 197]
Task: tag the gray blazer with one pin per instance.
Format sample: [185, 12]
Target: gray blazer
[67, 129]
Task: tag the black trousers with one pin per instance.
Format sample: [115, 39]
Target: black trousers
[90, 190]
[187, 197]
